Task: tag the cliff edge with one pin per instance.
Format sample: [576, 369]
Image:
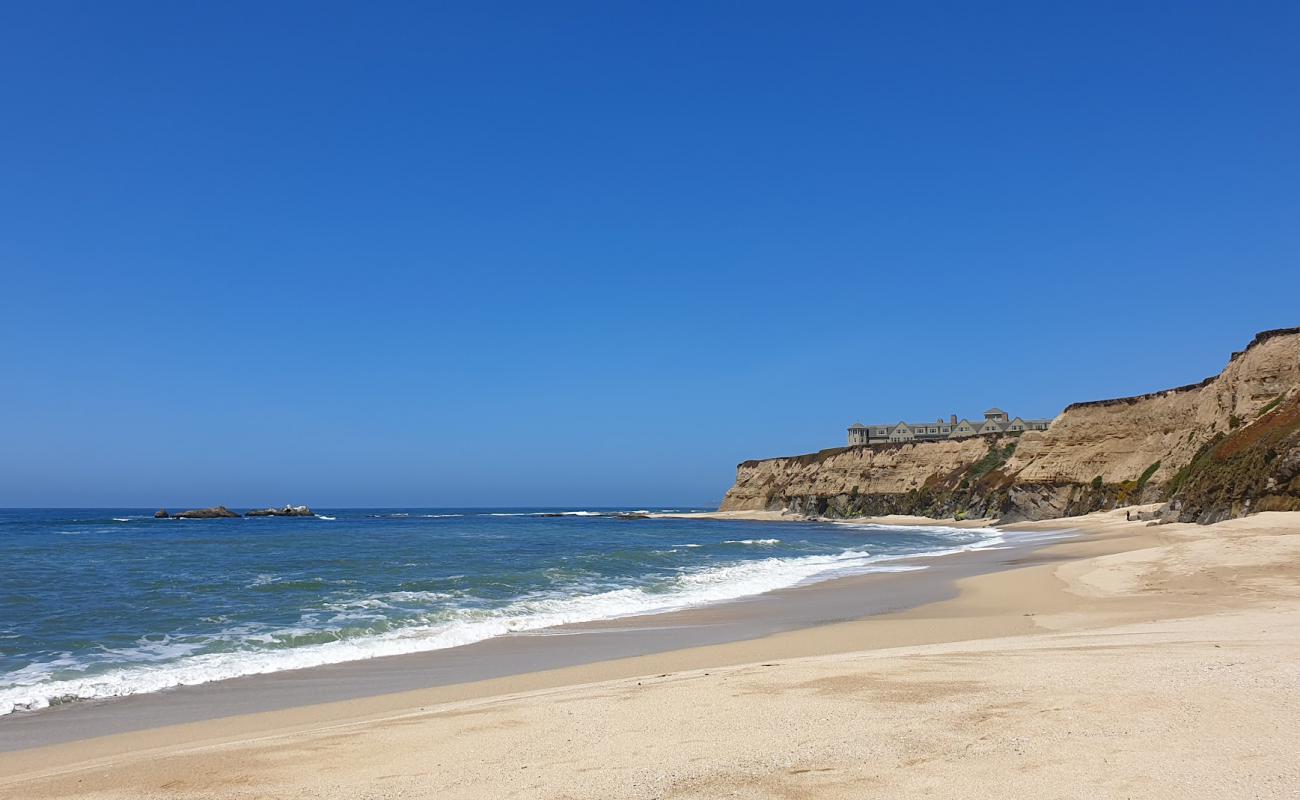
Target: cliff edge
[1211, 450]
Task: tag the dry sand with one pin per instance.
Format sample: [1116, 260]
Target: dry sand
[1154, 662]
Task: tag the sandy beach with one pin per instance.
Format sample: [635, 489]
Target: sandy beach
[1130, 661]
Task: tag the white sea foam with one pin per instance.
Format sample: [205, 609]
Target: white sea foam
[991, 538]
[322, 516]
[121, 519]
[162, 664]
[440, 516]
[940, 529]
[751, 541]
[414, 597]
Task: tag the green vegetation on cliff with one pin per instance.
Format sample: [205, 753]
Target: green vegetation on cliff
[1253, 468]
[977, 489]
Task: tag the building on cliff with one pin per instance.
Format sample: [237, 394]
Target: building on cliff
[995, 421]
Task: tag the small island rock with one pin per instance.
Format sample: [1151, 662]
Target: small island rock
[161, 514]
[219, 512]
[287, 511]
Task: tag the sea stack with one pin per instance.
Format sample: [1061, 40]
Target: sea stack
[161, 514]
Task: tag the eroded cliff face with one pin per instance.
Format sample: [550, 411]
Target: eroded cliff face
[1094, 455]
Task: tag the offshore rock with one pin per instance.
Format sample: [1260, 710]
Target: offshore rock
[161, 514]
[218, 512]
[287, 511]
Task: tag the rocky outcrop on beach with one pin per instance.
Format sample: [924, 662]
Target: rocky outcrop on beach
[1212, 450]
[287, 511]
[216, 512]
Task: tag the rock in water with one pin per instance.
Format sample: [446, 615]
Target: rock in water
[287, 511]
[161, 514]
[207, 513]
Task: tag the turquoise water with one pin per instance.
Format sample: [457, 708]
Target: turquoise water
[110, 602]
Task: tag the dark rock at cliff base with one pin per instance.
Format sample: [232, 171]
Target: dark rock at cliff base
[161, 514]
[287, 511]
[220, 512]
[631, 515]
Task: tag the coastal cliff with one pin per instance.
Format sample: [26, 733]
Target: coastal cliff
[1212, 450]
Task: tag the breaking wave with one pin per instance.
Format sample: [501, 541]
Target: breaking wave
[236, 652]
[344, 617]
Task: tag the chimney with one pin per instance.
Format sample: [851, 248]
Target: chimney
[953, 420]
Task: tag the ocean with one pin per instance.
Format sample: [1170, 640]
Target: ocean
[100, 603]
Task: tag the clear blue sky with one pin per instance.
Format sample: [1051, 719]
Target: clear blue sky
[586, 254]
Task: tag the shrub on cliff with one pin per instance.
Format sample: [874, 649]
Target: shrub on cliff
[1254, 468]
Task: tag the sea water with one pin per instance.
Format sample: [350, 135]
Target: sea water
[98, 603]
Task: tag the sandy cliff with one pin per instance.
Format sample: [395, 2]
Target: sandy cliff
[1217, 449]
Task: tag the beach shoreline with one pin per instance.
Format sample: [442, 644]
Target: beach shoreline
[790, 516]
[904, 582]
[1115, 579]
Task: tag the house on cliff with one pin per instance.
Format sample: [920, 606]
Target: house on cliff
[995, 421]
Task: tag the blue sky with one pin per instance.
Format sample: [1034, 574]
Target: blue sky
[597, 253]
